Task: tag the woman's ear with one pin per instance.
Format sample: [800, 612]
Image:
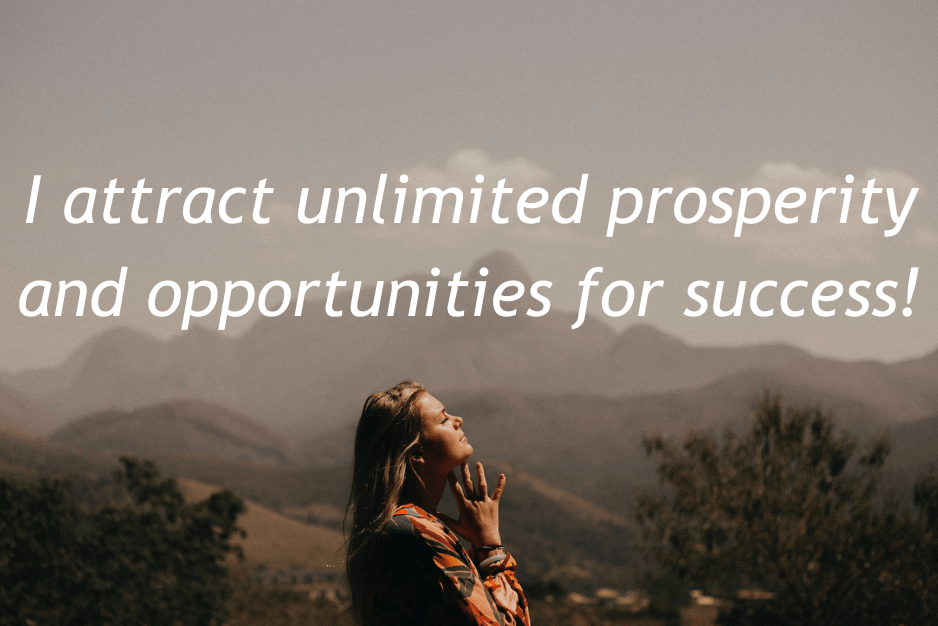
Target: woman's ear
[416, 462]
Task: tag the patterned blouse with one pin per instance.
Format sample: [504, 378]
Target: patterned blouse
[423, 575]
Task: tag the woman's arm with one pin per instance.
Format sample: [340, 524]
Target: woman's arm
[499, 579]
[430, 579]
[478, 524]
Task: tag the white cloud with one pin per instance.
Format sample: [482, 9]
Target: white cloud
[283, 219]
[460, 171]
[462, 167]
[827, 243]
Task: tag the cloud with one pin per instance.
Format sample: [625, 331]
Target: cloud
[462, 167]
[460, 171]
[827, 243]
[283, 220]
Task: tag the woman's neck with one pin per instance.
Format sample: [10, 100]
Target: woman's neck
[424, 492]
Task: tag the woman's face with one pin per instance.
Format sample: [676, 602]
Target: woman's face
[443, 444]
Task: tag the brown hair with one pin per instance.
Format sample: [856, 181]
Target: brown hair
[388, 430]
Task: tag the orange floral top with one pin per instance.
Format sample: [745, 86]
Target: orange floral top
[423, 575]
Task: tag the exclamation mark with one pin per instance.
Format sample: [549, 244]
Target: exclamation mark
[913, 275]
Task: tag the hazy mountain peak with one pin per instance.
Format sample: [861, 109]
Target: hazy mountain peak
[123, 340]
[644, 338]
[198, 333]
[502, 266]
[123, 350]
[198, 343]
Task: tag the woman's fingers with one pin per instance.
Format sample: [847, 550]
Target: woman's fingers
[467, 479]
[483, 486]
[499, 488]
[478, 513]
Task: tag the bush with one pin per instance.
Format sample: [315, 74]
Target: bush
[791, 510]
[153, 559]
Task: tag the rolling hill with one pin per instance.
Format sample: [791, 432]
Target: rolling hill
[184, 427]
[274, 541]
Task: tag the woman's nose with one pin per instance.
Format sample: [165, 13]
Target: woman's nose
[458, 420]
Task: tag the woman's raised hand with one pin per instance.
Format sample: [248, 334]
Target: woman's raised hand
[478, 512]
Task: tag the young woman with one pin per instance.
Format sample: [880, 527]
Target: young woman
[405, 566]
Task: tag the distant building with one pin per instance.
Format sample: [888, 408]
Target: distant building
[754, 594]
[700, 599]
[634, 601]
[577, 598]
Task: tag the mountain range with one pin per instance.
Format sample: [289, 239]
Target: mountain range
[271, 414]
[304, 376]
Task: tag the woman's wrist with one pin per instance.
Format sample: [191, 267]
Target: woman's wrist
[488, 539]
[491, 561]
[487, 551]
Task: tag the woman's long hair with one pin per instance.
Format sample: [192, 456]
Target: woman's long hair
[388, 430]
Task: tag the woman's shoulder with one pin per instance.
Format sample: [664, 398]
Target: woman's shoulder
[411, 520]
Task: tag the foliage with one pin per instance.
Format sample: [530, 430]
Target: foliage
[790, 509]
[152, 559]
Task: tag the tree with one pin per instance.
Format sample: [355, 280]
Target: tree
[151, 559]
[790, 509]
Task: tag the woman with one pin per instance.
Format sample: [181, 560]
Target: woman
[404, 565]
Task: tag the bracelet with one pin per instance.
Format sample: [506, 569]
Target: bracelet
[489, 548]
[498, 558]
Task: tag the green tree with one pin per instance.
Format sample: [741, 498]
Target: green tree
[40, 570]
[151, 559]
[789, 508]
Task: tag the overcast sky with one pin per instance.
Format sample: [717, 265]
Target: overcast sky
[643, 94]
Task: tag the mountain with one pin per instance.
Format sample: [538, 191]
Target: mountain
[592, 445]
[124, 369]
[922, 373]
[322, 369]
[184, 427]
[642, 359]
[925, 366]
[900, 392]
[305, 376]
[21, 413]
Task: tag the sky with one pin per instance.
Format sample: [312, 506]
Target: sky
[659, 94]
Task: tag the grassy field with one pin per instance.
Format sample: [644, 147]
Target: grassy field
[274, 541]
